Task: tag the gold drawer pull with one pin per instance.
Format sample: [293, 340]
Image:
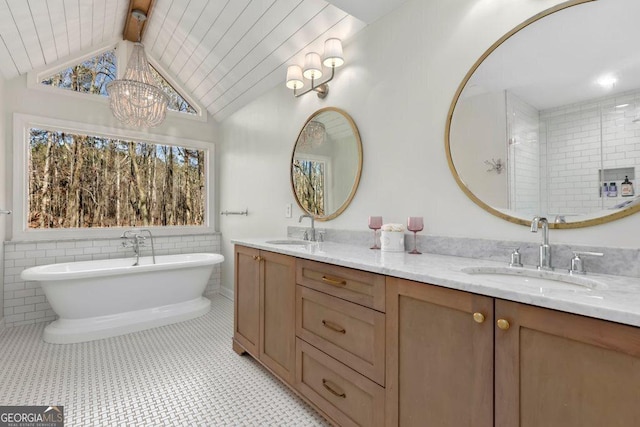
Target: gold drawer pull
[334, 282]
[257, 258]
[333, 327]
[333, 388]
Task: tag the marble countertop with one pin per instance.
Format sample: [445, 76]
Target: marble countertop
[614, 298]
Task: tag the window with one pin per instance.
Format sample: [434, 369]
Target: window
[90, 76]
[176, 101]
[309, 176]
[78, 176]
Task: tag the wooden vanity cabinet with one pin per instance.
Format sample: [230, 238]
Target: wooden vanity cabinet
[560, 369]
[550, 368]
[264, 321]
[439, 356]
[340, 347]
[246, 313]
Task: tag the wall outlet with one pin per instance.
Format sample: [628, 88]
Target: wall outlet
[287, 211]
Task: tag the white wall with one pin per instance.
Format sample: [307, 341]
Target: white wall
[4, 161]
[479, 134]
[401, 75]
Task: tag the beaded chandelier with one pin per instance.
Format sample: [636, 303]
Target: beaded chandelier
[314, 133]
[136, 100]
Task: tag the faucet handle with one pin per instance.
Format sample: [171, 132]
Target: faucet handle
[516, 256]
[577, 265]
[516, 259]
[305, 236]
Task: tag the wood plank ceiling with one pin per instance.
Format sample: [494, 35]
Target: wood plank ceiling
[225, 53]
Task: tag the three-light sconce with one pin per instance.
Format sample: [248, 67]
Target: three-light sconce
[313, 69]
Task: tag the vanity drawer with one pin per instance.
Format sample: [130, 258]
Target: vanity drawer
[343, 394]
[357, 286]
[348, 332]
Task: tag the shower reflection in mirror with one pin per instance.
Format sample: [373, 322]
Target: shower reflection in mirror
[558, 160]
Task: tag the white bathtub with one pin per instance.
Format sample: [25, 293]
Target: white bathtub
[101, 299]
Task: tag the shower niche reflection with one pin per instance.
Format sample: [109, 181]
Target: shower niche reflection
[549, 114]
[554, 158]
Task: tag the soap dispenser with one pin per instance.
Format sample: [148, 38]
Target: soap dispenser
[626, 188]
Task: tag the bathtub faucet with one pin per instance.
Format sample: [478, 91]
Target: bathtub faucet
[135, 240]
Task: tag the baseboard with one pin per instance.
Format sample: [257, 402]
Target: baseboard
[212, 292]
[226, 292]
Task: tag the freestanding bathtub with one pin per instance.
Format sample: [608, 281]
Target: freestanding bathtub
[101, 299]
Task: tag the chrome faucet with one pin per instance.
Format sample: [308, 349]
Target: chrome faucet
[135, 240]
[312, 230]
[544, 261]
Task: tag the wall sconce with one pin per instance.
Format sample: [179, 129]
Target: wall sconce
[313, 69]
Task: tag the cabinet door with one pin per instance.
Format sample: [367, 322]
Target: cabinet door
[246, 330]
[439, 359]
[278, 307]
[560, 369]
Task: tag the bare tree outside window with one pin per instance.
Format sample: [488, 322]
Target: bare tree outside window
[93, 75]
[309, 185]
[176, 101]
[90, 76]
[84, 181]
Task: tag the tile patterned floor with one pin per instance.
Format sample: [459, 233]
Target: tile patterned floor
[181, 374]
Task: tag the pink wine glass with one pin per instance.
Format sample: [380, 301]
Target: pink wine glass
[375, 223]
[415, 224]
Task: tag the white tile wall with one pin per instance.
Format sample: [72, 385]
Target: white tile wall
[25, 303]
[583, 138]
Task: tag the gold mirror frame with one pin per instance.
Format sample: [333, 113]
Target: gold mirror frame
[356, 182]
[578, 224]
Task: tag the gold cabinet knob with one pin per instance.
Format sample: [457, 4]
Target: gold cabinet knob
[503, 324]
[478, 317]
[257, 257]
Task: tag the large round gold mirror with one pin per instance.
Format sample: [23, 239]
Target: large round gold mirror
[547, 122]
[326, 163]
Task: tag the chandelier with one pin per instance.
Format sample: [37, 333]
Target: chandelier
[314, 133]
[136, 100]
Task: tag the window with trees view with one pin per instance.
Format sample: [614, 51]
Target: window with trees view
[176, 101]
[90, 76]
[82, 181]
[93, 75]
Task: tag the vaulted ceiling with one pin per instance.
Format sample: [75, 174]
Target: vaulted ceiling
[224, 52]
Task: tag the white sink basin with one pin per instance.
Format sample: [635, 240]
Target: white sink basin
[289, 242]
[544, 280]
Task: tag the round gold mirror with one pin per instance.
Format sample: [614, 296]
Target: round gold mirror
[326, 163]
[547, 121]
